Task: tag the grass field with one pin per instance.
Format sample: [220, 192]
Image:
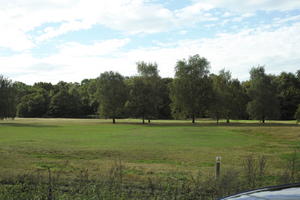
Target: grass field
[158, 148]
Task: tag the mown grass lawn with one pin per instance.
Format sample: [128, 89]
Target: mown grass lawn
[157, 148]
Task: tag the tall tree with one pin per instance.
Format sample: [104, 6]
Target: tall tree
[21, 90]
[152, 81]
[191, 88]
[112, 93]
[297, 114]
[138, 101]
[164, 109]
[239, 100]
[262, 91]
[7, 98]
[288, 86]
[147, 69]
[89, 99]
[144, 92]
[229, 97]
[222, 98]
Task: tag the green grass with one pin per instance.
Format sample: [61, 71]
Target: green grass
[157, 148]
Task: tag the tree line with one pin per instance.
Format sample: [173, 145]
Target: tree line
[193, 92]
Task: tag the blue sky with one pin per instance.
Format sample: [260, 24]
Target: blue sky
[70, 40]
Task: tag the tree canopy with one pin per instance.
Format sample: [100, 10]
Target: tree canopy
[191, 87]
[145, 92]
[297, 114]
[262, 91]
[7, 98]
[222, 96]
[193, 92]
[112, 94]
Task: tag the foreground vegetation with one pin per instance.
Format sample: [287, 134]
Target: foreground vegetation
[143, 160]
[116, 185]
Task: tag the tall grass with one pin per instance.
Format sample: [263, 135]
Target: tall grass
[48, 184]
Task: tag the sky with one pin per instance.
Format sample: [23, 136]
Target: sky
[70, 40]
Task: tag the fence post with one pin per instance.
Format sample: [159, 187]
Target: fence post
[218, 166]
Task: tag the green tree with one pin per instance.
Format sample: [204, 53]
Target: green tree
[34, 104]
[239, 100]
[145, 92]
[288, 86]
[229, 98]
[147, 69]
[297, 114]
[191, 88]
[7, 98]
[43, 85]
[21, 90]
[139, 98]
[76, 100]
[164, 109]
[65, 103]
[153, 83]
[87, 91]
[262, 92]
[93, 99]
[60, 104]
[222, 97]
[112, 94]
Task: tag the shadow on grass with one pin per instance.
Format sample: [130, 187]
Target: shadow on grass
[168, 123]
[208, 124]
[27, 125]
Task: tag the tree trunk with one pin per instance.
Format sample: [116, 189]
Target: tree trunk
[149, 121]
[227, 121]
[114, 120]
[263, 120]
[217, 120]
[143, 119]
[193, 118]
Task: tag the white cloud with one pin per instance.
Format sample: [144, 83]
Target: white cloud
[75, 49]
[194, 13]
[227, 14]
[73, 62]
[277, 50]
[253, 5]
[19, 17]
[14, 39]
[183, 32]
[51, 32]
[289, 19]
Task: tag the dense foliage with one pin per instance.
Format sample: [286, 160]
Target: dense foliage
[297, 114]
[112, 94]
[193, 92]
[262, 92]
[7, 99]
[145, 92]
[191, 88]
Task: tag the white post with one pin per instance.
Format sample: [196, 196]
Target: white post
[218, 166]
